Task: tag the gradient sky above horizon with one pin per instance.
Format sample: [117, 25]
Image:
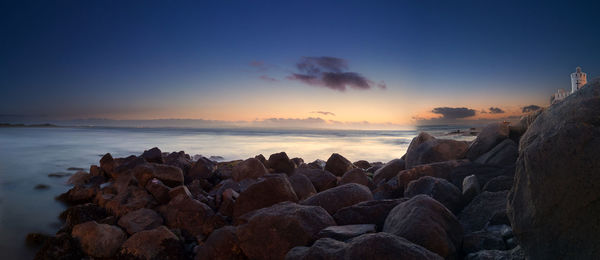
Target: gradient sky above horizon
[236, 60]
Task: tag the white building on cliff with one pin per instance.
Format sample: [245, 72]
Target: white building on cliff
[578, 79]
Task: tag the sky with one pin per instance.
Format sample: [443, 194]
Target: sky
[356, 64]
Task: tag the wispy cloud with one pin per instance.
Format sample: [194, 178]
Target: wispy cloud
[454, 112]
[530, 108]
[496, 110]
[331, 72]
[325, 113]
[268, 79]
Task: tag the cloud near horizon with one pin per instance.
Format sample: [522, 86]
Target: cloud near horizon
[531, 108]
[496, 110]
[454, 112]
[325, 113]
[331, 72]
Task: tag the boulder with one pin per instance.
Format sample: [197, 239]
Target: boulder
[321, 179]
[388, 171]
[339, 197]
[157, 243]
[499, 183]
[140, 220]
[191, 216]
[302, 186]
[262, 159]
[79, 178]
[107, 164]
[421, 138]
[99, 240]
[439, 189]
[316, 164]
[368, 212]
[482, 210]
[424, 221]
[513, 254]
[182, 189]
[63, 246]
[436, 150]
[263, 194]
[225, 169]
[388, 190]
[356, 175]
[505, 153]
[346, 232]
[159, 191]
[362, 164]
[250, 168]
[482, 240]
[153, 155]
[82, 213]
[281, 163]
[203, 168]
[490, 136]
[555, 200]
[338, 165]
[441, 170]
[222, 244]
[120, 199]
[324, 248]
[297, 161]
[470, 188]
[79, 194]
[167, 174]
[180, 160]
[269, 233]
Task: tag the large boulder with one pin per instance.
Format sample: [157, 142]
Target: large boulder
[424, 221]
[281, 163]
[555, 200]
[490, 136]
[63, 246]
[388, 190]
[441, 170]
[179, 160]
[140, 220]
[264, 193]
[157, 243]
[99, 240]
[203, 168]
[153, 155]
[321, 179]
[82, 213]
[422, 137]
[302, 186]
[167, 174]
[250, 168]
[439, 189]
[356, 175]
[436, 150]
[388, 171]
[367, 212]
[121, 198]
[222, 244]
[505, 153]
[483, 172]
[483, 210]
[338, 165]
[191, 216]
[269, 233]
[341, 196]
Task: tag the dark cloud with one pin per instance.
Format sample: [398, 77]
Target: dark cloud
[454, 112]
[496, 110]
[331, 72]
[326, 113]
[531, 108]
[267, 78]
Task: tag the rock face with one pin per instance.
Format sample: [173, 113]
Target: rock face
[490, 136]
[250, 168]
[555, 200]
[388, 171]
[355, 175]
[263, 194]
[439, 189]
[321, 180]
[222, 244]
[487, 207]
[99, 240]
[424, 221]
[342, 196]
[338, 165]
[505, 153]
[368, 212]
[368, 246]
[269, 233]
[302, 186]
[281, 163]
[436, 150]
[139, 220]
[157, 243]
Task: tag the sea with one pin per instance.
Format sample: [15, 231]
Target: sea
[28, 155]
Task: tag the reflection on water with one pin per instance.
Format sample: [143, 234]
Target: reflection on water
[28, 155]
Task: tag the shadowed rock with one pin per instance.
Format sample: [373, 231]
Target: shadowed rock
[99, 240]
[153, 155]
[436, 150]
[321, 179]
[140, 220]
[484, 208]
[388, 171]
[222, 244]
[302, 186]
[338, 165]
[281, 163]
[342, 196]
[263, 194]
[250, 168]
[368, 212]
[346, 232]
[505, 153]
[157, 243]
[490, 136]
[439, 189]
[356, 175]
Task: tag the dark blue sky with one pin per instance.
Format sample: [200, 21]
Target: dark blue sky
[166, 59]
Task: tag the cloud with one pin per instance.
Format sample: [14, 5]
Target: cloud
[453, 112]
[331, 72]
[259, 66]
[326, 113]
[268, 79]
[496, 110]
[530, 108]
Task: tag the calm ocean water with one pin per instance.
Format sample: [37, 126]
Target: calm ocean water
[28, 155]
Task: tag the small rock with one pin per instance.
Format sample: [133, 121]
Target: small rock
[281, 163]
[470, 188]
[346, 232]
[362, 164]
[41, 187]
[250, 168]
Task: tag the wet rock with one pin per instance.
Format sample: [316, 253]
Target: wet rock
[555, 200]
[356, 175]
[82, 213]
[490, 136]
[75, 169]
[36, 239]
[499, 183]
[436, 150]
[59, 174]
[159, 191]
[321, 179]
[80, 178]
[263, 194]
[288, 224]
[157, 243]
[439, 189]
[222, 244]
[153, 155]
[362, 164]
[339, 197]
[424, 221]
[250, 168]
[368, 212]
[41, 187]
[302, 185]
[63, 246]
[99, 240]
[482, 210]
[470, 188]
[388, 171]
[346, 232]
[139, 220]
[505, 153]
[281, 163]
[203, 169]
[338, 165]
[191, 216]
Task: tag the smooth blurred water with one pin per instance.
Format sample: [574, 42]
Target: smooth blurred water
[28, 155]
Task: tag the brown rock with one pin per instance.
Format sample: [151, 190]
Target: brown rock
[250, 168]
[182, 189]
[78, 179]
[157, 243]
[153, 155]
[82, 213]
[388, 171]
[158, 190]
[339, 197]
[302, 185]
[362, 164]
[202, 169]
[281, 163]
[441, 170]
[263, 194]
[222, 244]
[490, 136]
[338, 165]
[169, 175]
[436, 150]
[139, 220]
[191, 216]
[321, 180]
[99, 240]
[368, 212]
[356, 175]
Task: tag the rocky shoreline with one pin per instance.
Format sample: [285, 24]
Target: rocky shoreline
[443, 199]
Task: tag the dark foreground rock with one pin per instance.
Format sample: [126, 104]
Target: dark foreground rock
[157, 243]
[439, 189]
[346, 232]
[222, 244]
[485, 209]
[342, 196]
[555, 200]
[368, 212]
[264, 193]
[99, 240]
[338, 165]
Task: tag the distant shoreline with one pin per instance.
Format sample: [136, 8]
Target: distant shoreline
[24, 125]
